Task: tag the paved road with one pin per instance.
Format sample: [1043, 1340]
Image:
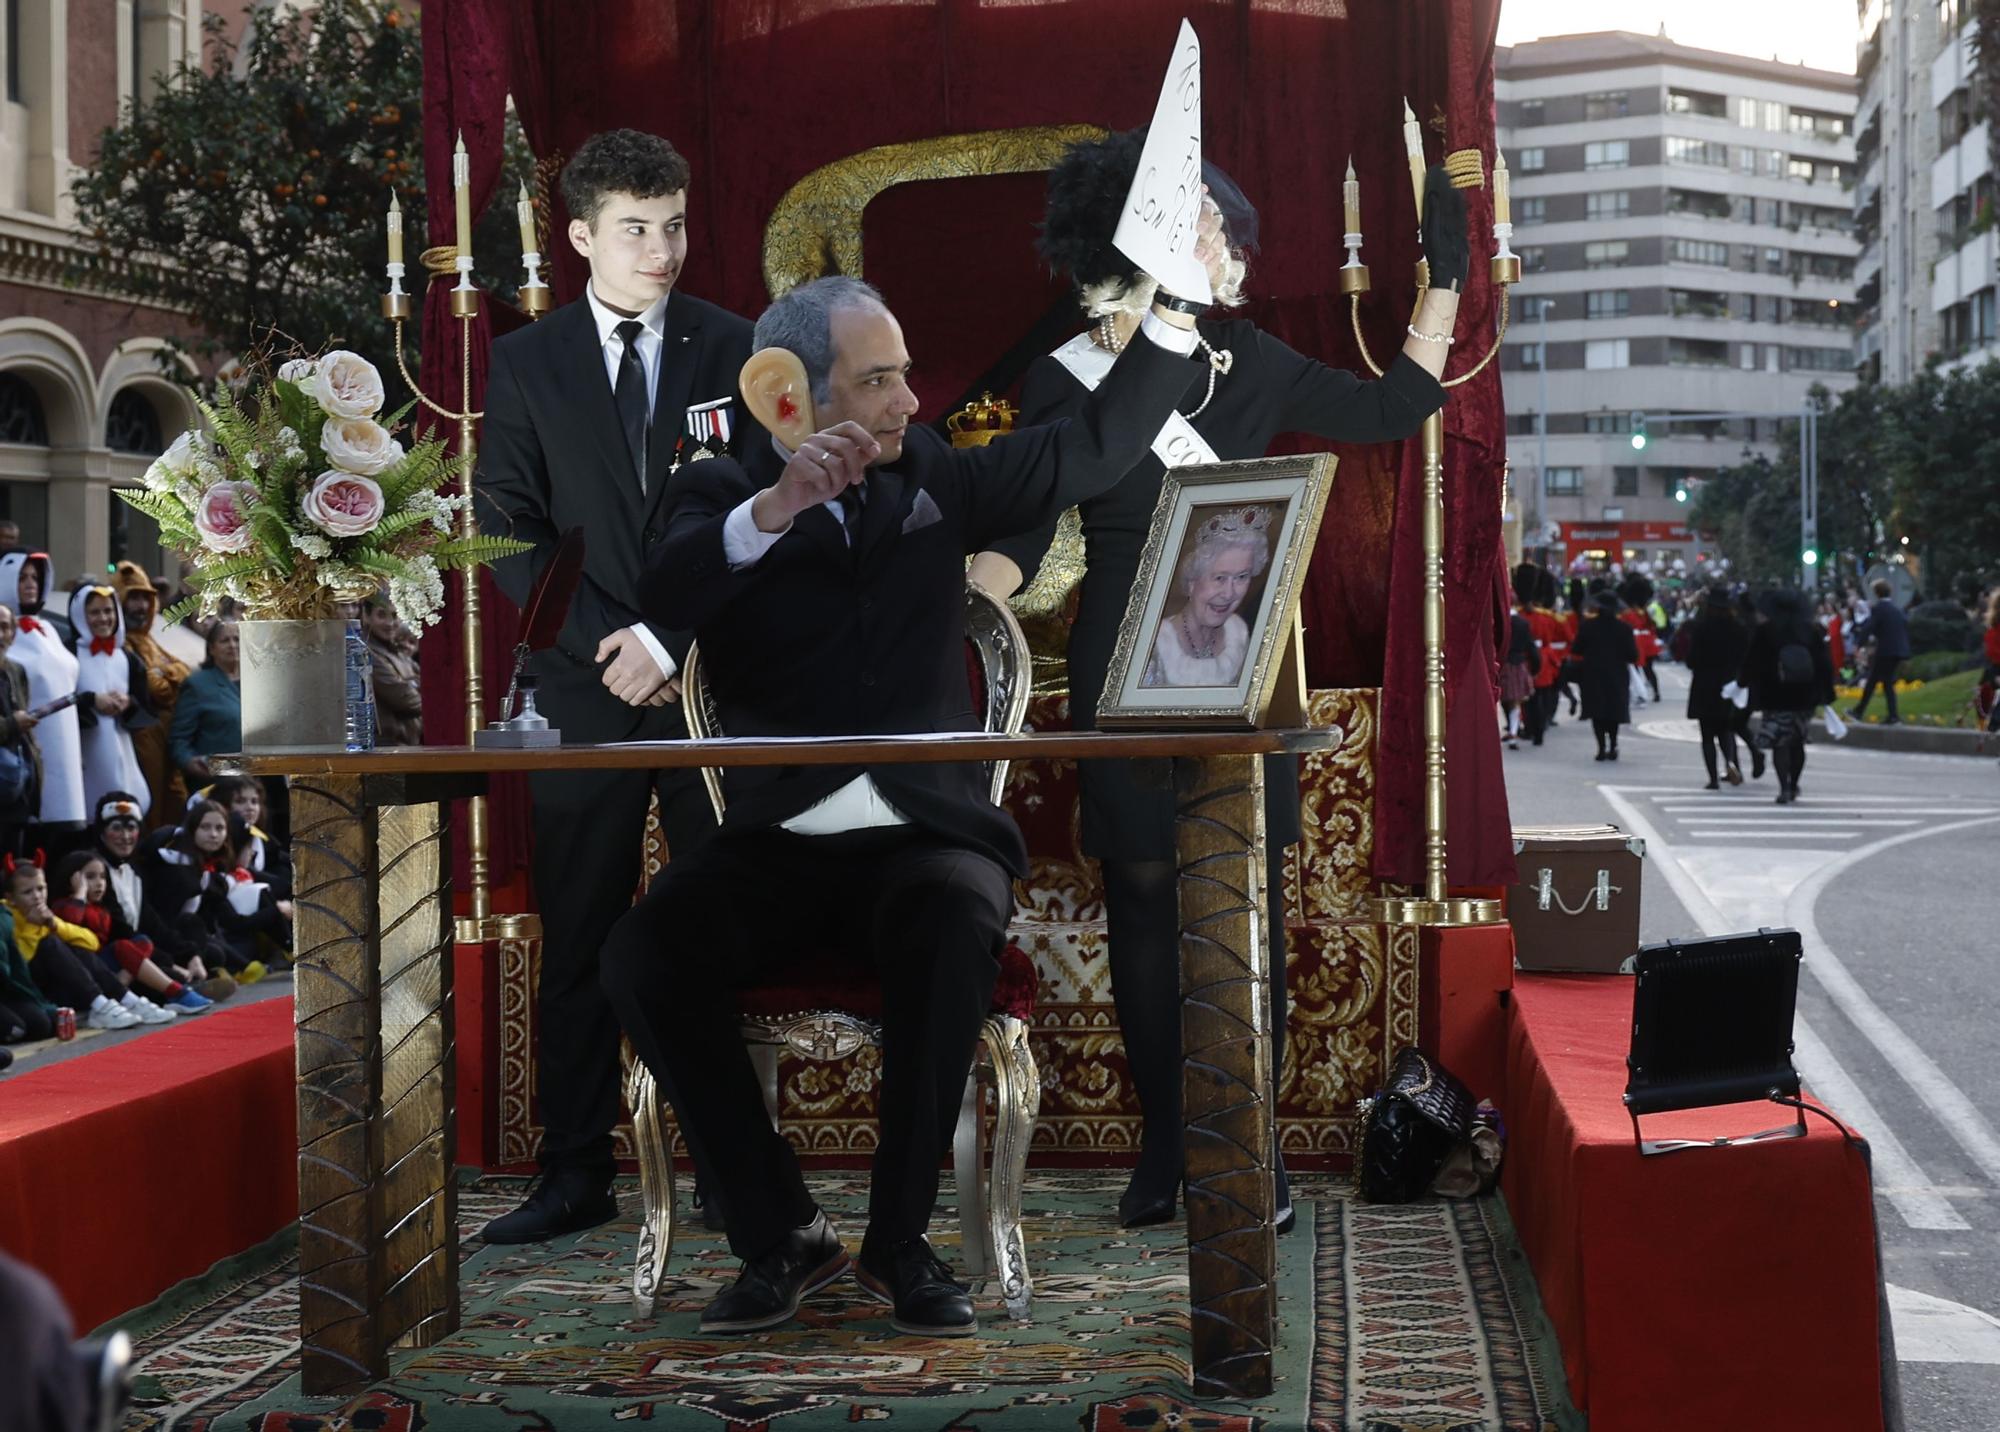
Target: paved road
[1889, 866]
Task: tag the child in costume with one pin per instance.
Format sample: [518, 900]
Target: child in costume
[62, 958]
[117, 831]
[111, 696]
[84, 880]
[192, 878]
[51, 670]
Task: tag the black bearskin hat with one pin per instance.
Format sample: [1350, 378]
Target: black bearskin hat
[1087, 188]
[1527, 577]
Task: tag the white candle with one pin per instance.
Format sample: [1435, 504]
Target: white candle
[1413, 145]
[524, 214]
[395, 229]
[461, 183]
[1350, 193]
[1503, 211]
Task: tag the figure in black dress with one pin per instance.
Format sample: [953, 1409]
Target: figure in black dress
[1255, 389]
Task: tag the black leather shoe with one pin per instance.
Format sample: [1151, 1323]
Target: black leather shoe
[562, 1202]
[928, 1301]
[772, 1285]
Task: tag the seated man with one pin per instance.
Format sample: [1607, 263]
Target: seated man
[826, 587]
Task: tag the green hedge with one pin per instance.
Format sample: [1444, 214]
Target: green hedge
[1935, 664]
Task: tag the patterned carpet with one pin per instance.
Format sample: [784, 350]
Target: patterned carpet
[1412, 1319]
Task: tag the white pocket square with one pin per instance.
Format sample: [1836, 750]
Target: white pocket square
[923, 512]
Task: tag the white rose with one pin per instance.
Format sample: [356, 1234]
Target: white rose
[297, 370]
[359, 445]
[346, 385]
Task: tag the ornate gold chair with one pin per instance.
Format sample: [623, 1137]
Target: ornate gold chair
[825, 1016]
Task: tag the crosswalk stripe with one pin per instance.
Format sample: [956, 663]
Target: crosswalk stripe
[1782, 822]
[1745, 831]
[1716, 806]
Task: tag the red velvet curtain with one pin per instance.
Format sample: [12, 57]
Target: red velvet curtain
[759, 93]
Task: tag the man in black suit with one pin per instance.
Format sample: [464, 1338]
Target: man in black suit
[827, 588]
[587, 413]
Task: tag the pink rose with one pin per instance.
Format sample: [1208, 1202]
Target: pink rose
[341, 504]
[222, 517]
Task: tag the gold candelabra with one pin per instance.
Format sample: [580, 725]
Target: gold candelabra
[398, 306]
[1435, 906]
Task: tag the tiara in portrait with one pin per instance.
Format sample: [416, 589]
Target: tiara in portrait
[1237, 522]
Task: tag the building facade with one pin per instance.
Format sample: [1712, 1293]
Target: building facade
[1685, 220]
[85, 402]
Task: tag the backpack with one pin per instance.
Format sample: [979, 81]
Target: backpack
[1795, 664]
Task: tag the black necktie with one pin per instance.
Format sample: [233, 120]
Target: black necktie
[630, 394]
[850, 500]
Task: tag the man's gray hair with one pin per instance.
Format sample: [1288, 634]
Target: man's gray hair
[801, 322]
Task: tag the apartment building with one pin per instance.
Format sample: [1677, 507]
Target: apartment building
[84, 403]
[1685, 220]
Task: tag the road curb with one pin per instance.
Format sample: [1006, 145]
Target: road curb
[1931, 740]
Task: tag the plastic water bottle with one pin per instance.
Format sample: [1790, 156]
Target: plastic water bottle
[360, 691]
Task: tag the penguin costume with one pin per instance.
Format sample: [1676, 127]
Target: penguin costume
[106, 668]
[51, 668]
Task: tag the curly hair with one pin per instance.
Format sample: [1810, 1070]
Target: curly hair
[1087, 189]
[620, 161]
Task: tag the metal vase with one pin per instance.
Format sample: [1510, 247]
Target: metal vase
[294, 686]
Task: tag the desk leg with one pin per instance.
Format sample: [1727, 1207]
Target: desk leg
[1227, 1087]
[378, 1208]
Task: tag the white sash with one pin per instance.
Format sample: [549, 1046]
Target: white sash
[1176, 444]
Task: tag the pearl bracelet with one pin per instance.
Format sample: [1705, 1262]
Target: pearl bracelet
[1444, 338]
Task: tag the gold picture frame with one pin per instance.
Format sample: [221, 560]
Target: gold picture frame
[1211, 635]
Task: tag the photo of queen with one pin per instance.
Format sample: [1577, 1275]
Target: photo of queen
[1205, 641]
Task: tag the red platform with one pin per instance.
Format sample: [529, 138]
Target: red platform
[1718, 1288]
[127, 1170]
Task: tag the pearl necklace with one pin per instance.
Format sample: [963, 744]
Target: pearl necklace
[1220, 360]
[1105, 335]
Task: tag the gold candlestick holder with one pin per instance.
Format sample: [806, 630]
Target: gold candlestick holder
[398, 307]
[1435, 906]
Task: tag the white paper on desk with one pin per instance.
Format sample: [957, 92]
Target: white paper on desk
[1157, 228]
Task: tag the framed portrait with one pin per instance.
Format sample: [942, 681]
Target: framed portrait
[1210, 631]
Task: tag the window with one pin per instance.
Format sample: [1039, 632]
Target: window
[1774, 163]
[1610, 253]
[1531, 211]
[1771, 115]
[1611, 204]
[1746, 159]
[1698, 251]
[1532, 160]
[22, 419]
[1564, 481]
[1624, 482]
[1607, 353]
[1697, 353]
[1774, 260]
[1534, 258]
[1828, 360]
[1819, 124]
[1711, 106]
[133, 426]
[13, 40]
[1607, 303]
[1699, 204]
[1529, 354]
[1608, 104]
[1530, 112]
[1746, 113]
[1682, 150]
[1801, 169]
[1607, 154]
[1697, 303]
[1947, 13]
[1607, 422]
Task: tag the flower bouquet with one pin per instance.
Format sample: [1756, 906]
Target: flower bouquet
[300, 498]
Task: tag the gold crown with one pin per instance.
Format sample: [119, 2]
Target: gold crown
[977, 424]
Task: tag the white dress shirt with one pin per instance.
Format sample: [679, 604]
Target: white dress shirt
[860, 804]
[652, 340]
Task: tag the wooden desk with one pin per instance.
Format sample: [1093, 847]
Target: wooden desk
[378, 1252]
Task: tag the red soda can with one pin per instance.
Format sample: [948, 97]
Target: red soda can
[65, 1023]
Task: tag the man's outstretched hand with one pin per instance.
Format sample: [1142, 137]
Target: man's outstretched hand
[825, 465]
[633, 676]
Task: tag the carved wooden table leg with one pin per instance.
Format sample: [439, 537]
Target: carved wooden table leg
[1227, 1088]
[378, 1208]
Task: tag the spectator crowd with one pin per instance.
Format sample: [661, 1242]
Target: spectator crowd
[136, 885]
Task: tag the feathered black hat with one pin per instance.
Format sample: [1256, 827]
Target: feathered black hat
[1087, 188]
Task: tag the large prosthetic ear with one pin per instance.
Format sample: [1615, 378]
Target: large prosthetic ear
[778, 396]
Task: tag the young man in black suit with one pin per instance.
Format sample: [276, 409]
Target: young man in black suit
[587, 413]
[827, 587]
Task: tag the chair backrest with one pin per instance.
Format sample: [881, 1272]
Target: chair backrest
[1006, 669]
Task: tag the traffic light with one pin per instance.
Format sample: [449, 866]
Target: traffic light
[1638, 432]
[1680, 492]
[1810, 556]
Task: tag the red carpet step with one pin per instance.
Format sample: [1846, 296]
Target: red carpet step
[123, 1172]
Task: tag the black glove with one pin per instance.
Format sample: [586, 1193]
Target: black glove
[1444, 231]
